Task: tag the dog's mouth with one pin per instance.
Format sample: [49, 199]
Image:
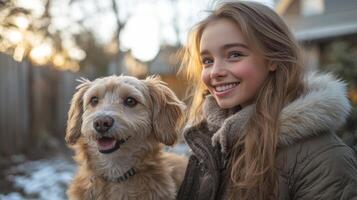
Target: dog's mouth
[109, 144]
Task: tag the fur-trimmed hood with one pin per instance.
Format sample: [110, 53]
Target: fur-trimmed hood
[323, 107]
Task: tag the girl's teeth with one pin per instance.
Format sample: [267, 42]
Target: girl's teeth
[225, 87]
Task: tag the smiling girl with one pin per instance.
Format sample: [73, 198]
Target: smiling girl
[258, 126]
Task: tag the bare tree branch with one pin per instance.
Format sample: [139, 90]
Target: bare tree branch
[120, 25]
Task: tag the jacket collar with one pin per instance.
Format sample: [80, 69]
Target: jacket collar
[323, 107]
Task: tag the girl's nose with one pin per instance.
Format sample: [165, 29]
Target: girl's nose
[218, 71]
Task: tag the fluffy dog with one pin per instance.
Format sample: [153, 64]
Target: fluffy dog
[117, 126]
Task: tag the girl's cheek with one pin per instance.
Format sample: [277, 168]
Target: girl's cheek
[205, 77]
[245, 71]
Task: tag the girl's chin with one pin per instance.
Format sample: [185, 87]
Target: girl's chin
[226, 104]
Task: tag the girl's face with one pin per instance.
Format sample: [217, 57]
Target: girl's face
[231, 71]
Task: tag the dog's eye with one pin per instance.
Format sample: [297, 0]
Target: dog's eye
[94, 101]
[130, 102]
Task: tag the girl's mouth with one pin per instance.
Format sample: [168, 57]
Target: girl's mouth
[223, 89]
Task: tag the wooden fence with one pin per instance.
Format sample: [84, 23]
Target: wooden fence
[33, 105]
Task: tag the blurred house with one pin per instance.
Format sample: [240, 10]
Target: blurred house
[165, 64]
[317, 23]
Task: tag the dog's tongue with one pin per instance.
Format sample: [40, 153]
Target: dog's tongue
[106, 143]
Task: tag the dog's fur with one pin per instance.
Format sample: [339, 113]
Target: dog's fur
[145, 127]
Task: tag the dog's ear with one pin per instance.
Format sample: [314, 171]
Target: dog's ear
[74, 121]
[167, 112]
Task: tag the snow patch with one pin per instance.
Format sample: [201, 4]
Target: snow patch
[43, 179]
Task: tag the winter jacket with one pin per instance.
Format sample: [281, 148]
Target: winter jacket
[312, 162]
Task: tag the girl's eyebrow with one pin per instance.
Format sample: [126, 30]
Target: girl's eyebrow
[226, 46]
[204, 52]
[230, 45]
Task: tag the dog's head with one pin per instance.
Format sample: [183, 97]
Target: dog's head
[109, 112]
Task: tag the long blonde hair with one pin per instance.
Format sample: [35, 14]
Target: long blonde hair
[252, 160]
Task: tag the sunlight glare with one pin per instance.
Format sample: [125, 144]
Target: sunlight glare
[41, 54]
[22, 22]
[15, 36]
[19, 53]
[76, 53]
[36, 7]
[141, 35]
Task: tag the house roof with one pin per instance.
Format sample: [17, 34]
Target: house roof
[326, 26]
[166, 61]
[338, 19]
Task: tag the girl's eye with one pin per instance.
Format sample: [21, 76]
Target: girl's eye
[94, 101]
[207, 61]
[235, 55]
[130, 102]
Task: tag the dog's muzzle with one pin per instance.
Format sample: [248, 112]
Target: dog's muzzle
[106, 143]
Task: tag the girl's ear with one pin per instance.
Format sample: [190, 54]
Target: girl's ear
[75, 113]
[167, 111]
[272, 66]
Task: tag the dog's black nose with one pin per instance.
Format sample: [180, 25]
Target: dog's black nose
[103, 124]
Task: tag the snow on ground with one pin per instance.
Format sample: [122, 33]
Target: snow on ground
[41, 179]
[47, 179]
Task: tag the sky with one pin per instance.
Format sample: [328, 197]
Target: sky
[149, 23]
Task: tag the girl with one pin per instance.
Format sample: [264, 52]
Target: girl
[260, 128]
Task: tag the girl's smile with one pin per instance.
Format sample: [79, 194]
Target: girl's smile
[222, 90]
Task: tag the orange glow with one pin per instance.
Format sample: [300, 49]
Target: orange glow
[134, 67]
[111, 48]
[352, 93]
[19, 53]
[59, 60]
[69, 65]
[41, 54]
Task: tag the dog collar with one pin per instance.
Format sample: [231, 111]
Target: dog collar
[131, 172]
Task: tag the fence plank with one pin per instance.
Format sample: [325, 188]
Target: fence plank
[13, 106]
[66, 89]
[2, 102]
